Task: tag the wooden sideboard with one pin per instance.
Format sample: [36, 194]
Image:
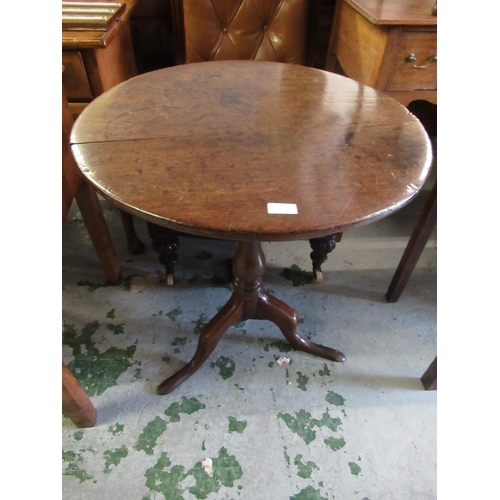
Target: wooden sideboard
[95, 61]
[390, 45]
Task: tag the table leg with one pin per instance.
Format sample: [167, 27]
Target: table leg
[321, 247]
[249, 300]
[416, 244]
[134, 245]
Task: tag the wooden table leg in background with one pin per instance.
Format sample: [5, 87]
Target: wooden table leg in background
[429, 378]
[90, 208]
[249, 300]
[75, 403]
[418, 239]
[75, 186]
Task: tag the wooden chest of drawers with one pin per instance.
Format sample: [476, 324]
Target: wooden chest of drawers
[390, 45]
[95, 61]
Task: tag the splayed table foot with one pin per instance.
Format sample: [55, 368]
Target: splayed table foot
[249, 300]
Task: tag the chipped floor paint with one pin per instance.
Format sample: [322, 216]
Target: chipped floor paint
[259, 419]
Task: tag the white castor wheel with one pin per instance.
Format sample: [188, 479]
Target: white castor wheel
[318, 276]
[170, 279]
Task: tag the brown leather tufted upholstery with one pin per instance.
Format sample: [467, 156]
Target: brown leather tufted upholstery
[270, 30]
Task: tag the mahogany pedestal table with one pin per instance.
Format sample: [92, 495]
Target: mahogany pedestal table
[251, 151]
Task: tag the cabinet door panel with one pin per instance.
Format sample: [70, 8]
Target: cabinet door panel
[74, 77]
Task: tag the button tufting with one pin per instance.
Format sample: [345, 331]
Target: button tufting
[224, 30]
[265, 28]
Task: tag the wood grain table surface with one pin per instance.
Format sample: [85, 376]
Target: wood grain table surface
[203, 148]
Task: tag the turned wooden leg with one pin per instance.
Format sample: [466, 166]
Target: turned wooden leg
[134, 244]
[165, 244]
[249, 300]
[418, 239]
[321, 248]
[75, 403]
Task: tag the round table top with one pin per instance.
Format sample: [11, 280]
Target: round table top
[203, 148]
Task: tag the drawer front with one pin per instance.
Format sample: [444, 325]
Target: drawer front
[413, 68]
[74, 77]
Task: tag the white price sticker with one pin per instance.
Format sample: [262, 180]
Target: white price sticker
[282, 208]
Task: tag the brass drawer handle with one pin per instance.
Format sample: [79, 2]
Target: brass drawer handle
[412, 58]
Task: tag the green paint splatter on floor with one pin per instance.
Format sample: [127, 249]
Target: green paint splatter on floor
[240, 325]
[325, 371]
[237, 425]
[303, 425]
[297, 275]
[226, 367]
[302, 381]
[329, 422]
[200, 323]
[205, 485]
[173, 315]
[116, 329]
[204, 255]
[114, 457]
[179, 341]
[186, 405]
[71, 339]
[150, 434]
[304, 469]
[73, 469]
[226, 470]
[111, 314]
[78, 436]
[95, 371]
[116, 429]
[287, 456]
[335, 399]
[334, 443]
[355, 468]
[308, 493]
[92, 287]
[165, 482]
[280, 345]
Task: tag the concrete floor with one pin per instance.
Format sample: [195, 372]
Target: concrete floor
[311, 429]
